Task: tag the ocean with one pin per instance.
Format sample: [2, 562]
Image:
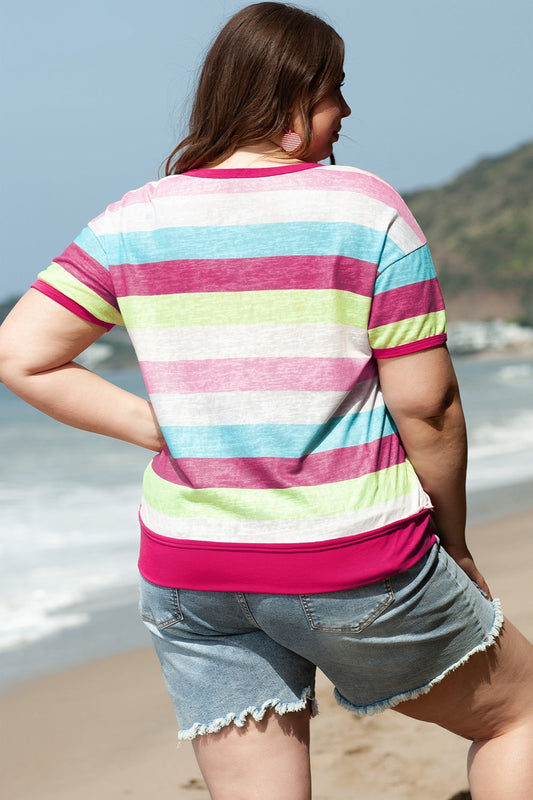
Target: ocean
[69, 529]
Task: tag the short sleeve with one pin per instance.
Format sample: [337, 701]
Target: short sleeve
[79, 279]
[407, 312]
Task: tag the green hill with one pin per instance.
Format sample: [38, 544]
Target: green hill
[480, 228]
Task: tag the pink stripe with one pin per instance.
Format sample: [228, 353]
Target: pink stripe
[280, 473]
[407, 301]
[88, 271]
[411, 347]
[372, 186]
[185, 184]
[245, 274]
[285, 568]
[256, 374]
[65, 301]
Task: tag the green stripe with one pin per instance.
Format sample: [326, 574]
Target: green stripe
[246, 308]
[408, 330]
[58, 277]
[303, 502]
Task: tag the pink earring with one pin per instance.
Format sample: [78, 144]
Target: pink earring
[290, 141]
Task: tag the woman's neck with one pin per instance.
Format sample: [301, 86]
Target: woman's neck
[259, 155]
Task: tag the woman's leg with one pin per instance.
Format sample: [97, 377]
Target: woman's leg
[489, 700]
[260, 761]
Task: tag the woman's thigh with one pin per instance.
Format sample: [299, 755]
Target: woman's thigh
[485, 697]
[265, 759]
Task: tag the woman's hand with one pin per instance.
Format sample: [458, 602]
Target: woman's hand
[38, 341]
[463, 558]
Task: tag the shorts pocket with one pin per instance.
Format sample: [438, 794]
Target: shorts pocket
[159, 605]
[347, 611]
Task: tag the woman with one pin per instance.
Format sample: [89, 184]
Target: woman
[307, 425]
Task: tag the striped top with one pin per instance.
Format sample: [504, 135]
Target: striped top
[258, 301]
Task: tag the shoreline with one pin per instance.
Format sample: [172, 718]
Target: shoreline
[106, 727]
[113, 625]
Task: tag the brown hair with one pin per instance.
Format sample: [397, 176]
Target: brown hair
[269, 60]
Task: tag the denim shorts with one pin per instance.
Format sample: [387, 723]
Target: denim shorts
[229, 655]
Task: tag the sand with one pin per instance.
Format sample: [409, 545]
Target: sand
[106, 729]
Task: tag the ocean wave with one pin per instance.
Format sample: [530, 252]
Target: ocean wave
[54, 556]
[512, 435]
[34, 622]
[515, 374]
[500, 452]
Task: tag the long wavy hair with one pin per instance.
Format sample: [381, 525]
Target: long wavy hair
[269, 61]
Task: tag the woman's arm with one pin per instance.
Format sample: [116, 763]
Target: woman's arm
[420, 390]
[38, 341]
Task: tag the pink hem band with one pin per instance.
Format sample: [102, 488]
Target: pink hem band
[66, 302]
[285, 568]
[411, 347]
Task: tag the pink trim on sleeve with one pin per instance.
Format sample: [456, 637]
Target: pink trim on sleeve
[66, 302]
[411, 347]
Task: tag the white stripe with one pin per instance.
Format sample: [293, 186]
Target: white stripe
[285, 531]
[320, 340]
[262, 408]
[404, 237]
[251, 208]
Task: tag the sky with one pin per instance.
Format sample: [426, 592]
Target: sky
[94, 96]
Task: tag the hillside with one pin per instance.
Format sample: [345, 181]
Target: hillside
[480, 228]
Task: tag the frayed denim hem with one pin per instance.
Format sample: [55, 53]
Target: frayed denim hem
[256, 713]
[390, 702]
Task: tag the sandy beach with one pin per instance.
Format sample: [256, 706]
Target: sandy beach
[106, 729]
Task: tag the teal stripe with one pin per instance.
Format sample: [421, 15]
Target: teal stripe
[90, 243]
[245, 241]
[406, 269]
[277, 441]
